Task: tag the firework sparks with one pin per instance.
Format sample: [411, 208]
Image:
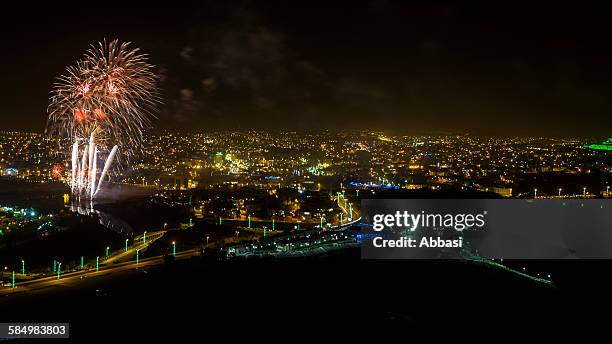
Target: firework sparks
[102, 106]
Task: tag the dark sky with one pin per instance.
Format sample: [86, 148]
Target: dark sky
[483, 69]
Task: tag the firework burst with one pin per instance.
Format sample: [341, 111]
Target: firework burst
[102, 105]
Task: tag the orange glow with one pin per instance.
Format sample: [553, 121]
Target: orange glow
[99, 114]
[56, 171]
[80, 115]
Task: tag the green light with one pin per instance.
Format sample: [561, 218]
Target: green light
[602, 146]
[264, 232]
[249, 221]
[357, 193]
[126, 245]
[340, 218]
[137, 251]
[273, 224]
[23, 267]
[220, 220]
[81, 262]
[107, 248]
[351, 209]
[54, 265]
[321, 222]
[190, 222]
[174, 248]
[59, 268]
[97, 263]
[13, 279]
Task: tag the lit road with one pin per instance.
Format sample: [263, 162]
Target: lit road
[71, 278]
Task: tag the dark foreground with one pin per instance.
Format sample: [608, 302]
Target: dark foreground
[342, 294]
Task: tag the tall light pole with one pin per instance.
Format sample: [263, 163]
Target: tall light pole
[13, 283]
[351, 209]
[535, 193]
[59, 268]
[81, 262]
[207, 237]
[23, 267]
[54, 265]
[249, 221]
[97, 263]
[560, 192]
[126, 245]
[584, 191]
[174, 248]
[137, 251]
[144, 238]
[107, 248]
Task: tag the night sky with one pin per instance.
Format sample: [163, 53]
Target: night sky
[310, 65]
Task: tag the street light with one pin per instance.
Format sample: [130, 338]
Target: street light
[144, 238]
[207, 237]
[23, 267]
[97, 263]
[81, 262]
[137, 251]
[560, 192]
[107, 248]
[59, 268]
[174, 248]
[249, 221]
[584, 191]
[126, 244]
[535, 193]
